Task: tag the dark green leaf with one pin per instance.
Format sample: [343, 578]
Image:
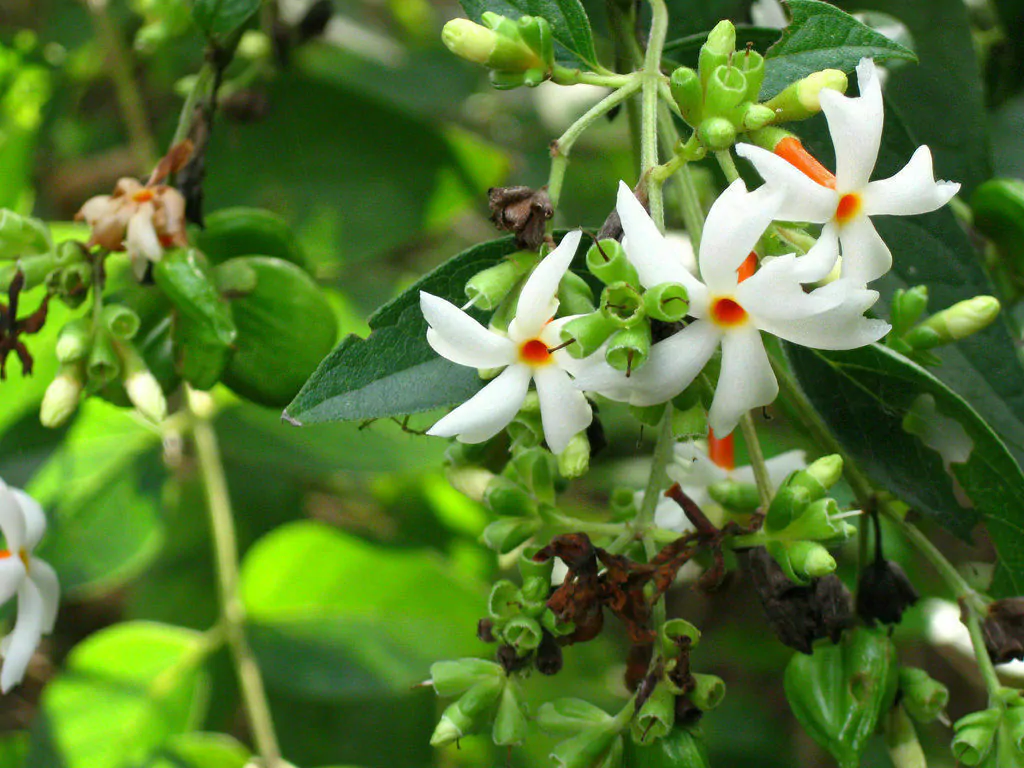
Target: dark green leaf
[394, 371]
[218, 18]
[568, 19]
[864, 396]
[689, 17]
[821, 36]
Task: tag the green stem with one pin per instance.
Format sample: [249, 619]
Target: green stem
[254, 697]
[728, 165]
[590, 527]
[757, 462]
[689, 200]
[985, 666]
[562, 146]
[652, 78]
[566, 76]
[199, 88]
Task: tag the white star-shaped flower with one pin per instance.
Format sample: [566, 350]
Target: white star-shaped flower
[525, 353]
[730, 312]
[846, 202]
[32, 580]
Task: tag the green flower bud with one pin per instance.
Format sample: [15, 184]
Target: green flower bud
[21, 235]
[143, 389]
[254, 45]
[753, 117]
[717, 133]
[70, 252]
[452, 678]
[74, 341]
[726, 89]
[34, 268]
[104, 364]
[487, 288]
[536, 468]
[671, 636]
[751, 64]
[802, 99]
[821, 475]
[471, 482]
[689, 94]
[535, 31]
[923, 697]
[668, 302]
[741, 497]
[574, 461]
[509, 499]
[587, 333]
[535, 589]
[574, 295]
[629, 348]
[622, 504]
[73, 280]
[656, 717]
[717, 50]
[61, 398]
[504, 602]
[974, 734]
[468, 714]
[482, 45]
[901, 740]
[810, 560]
[523, 633]
[708, 691]
[800, 489]
[607, 261]
[510, 726]
[817, 523]
[907, 306]
[508, 533]
[122, 322]
[622, 304]
[531, 569]
[957, 322]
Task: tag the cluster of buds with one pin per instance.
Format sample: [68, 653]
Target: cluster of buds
[997, 206]
[914, 337]
[66, 269]
[96, 354]
[721, 98]
[488, 696]
[993, 736]
[620, 328]
[516, 52]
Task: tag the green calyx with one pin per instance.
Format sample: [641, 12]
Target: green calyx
[629, 348]
[487, 288]
[676, 634]
[802, 99]
[668, 302]
[959, 321]
[622, 304]
[22, 236]
[974, 735]
[607, 261]
[656, 716]
[587, 333]
[923, 697]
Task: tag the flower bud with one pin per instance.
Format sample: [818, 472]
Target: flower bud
[629, 348]
[973, 735]
[751, 64]
[471, 482]
[726, 89]
[656, 717]
[570, 716]
[753, 117]
[708, 691]
[508, 533]
[668, 302]
[72, 281]
[587, 333]
[74, 340]
[535, 589]
[739, 497]
[716, 51]
[522, 633]
[675, 634]
[504, 602]
[468, 714]
[622, 504]
[536, 469]
[901, 740]
[61, 398]
[689, 94]
[606, 260]
[452, 678]
[716, 133]
[574, 461]
[21, 236]
[923, 697]
[122, 322]
[810, 560]
[907, 306]
[510, 726]
[817, 523]
[104, 364]
[254, 45]
[144, 391]
[509, 499]
[957, 322]
[487, 288]
[802, 99]
[34, 268]
[574, 295]
[800, 489]
[70, 252]
[622, 304]
[485, 46]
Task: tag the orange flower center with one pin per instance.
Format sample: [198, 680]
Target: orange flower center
[727, 312]
[534, 352]
[722, 451]
[849, 206]
[747, 268]
[5, 553]
[143, 196]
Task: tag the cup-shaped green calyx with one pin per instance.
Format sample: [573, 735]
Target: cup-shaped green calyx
[506, 534]
[586, 334]
[751, 64]
[104, 364]
[801, 488]
[753, 117]
[504, 601]
[523, 633]
[675, 634]
[907, 306]
[452, 678]
[688, 93]
[622, 304]
[726, 90]
[708, 691]
[957, 322]
[817, 523]
[574, 295]
[122, 322]
[656, 717]
[469, 714]
[717, 50]
[508, 498]
[802, 99]
[531, 569]
[923, 697]
[668, 302]
[62, 395]
[716, 133]
[606, 260]
[623, 503]
[629, 348]
[974, 734]
[487, 288]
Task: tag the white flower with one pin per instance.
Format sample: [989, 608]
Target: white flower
[524, 353]
[730, 312]
[845, 202]
[33, 581]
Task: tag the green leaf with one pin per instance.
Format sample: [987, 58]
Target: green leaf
[689, 17]
[201, 750]
[124, 693]
[218, 18]
[568, 19]
[820, 36]
[14, 749]
[394, 371]
[334, 616]
[865, 395]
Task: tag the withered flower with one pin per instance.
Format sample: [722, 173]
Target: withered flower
[12, 328]
[523, 211]
[884, 592]
[1004, 630]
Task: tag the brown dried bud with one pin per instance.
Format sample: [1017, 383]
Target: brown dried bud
[510, 660]
[687, 713]
[884, 592]
[549, 655]
[523, 211]
[1004, 630]
[485, 630]
[798, 615]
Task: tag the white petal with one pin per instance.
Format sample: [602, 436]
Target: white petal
[593, 374]
[142, 239]
[693, 467]
[866, 257]
[819, 261]
[805, 199]
[12, 519]
[670, 516]
[774, 292]
[96, 207]
[35, 518]
[22, 642]
[746, 381]
[648, 250]
[842, 327]
[455, 335]
[538, 299]
[12, 573]
[489, 411]
[912, 190]
[674, 363]
[46, 581]
[856, 128]
[735, 223]
[564, 410]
